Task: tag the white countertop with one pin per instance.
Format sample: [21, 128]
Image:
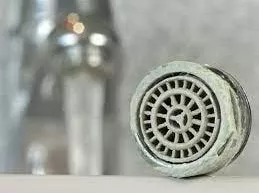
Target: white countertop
[114, 184]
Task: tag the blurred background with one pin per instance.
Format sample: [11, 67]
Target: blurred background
[68, 69]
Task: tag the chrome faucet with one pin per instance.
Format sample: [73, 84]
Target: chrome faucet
[64, 53]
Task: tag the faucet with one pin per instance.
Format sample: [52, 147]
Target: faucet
[64, 56]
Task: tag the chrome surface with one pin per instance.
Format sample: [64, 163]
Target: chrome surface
[62, 58]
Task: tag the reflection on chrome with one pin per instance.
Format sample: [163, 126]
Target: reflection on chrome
[69, 39]
[36, 158]
[98, 39]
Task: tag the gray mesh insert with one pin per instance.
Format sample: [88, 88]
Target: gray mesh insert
[179, 119]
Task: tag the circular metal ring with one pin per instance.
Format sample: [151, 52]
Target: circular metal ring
[190, 119]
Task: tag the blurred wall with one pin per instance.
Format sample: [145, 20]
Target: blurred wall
[222, 33]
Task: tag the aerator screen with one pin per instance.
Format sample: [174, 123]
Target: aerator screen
[179, 118]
